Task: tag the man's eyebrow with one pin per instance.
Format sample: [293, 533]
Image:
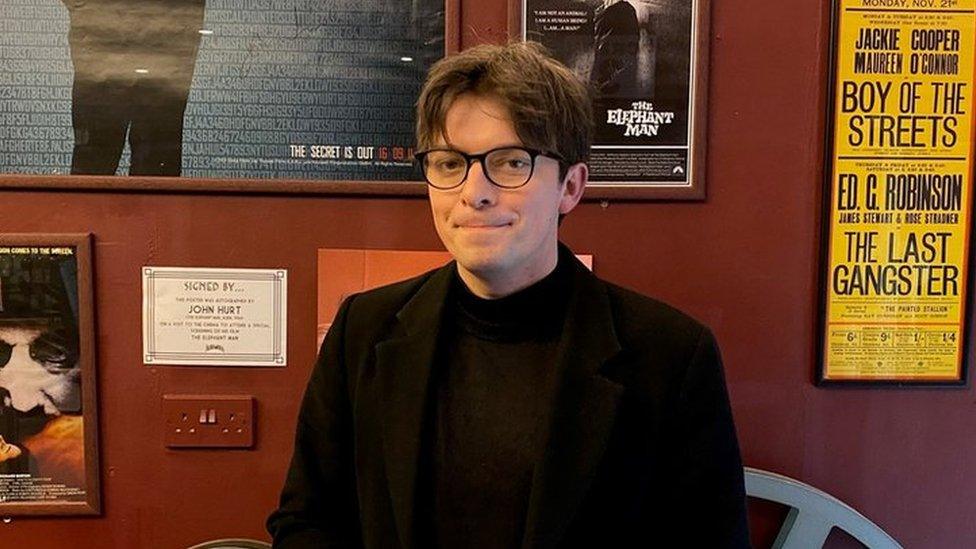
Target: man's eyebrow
[492, 148]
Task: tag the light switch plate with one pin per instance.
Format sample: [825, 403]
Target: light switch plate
[208, 421]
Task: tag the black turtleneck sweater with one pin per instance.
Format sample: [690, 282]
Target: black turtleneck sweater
[493, 383]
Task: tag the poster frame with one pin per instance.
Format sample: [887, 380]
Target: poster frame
[82, 243]
[967, 302]
[312, 187]
[698, 117]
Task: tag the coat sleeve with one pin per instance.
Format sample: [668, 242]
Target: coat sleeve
[708, 476]
[318, 506]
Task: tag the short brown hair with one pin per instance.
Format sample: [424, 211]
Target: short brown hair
[550, 106]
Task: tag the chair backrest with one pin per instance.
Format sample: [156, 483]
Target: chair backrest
[813, 513]
[232, 543]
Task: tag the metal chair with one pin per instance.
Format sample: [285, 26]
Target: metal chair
[232, 543]
[813, 513]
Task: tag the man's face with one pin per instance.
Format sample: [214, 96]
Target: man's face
[37, 371]
[504, 238]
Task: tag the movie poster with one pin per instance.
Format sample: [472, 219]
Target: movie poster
[900, 192]
[46, 413]
[298, 89]
[640, 58]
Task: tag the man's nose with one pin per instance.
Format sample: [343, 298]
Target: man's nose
[477, 191]
[23, 378]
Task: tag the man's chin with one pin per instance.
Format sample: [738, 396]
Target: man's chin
[483, 265]
[484, 240]
[481, 269]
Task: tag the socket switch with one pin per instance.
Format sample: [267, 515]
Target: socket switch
[208, 421]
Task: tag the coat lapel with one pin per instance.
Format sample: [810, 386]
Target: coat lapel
[404, 367]
[583, 411]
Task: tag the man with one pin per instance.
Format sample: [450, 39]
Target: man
[133, 62]
[615, 50]
[511, 398]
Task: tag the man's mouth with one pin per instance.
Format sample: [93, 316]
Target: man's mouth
[483, 225]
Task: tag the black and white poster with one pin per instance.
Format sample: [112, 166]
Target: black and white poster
[640, 57]
[292, 89]
[48, 423]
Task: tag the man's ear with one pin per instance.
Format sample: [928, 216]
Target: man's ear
[573, 185]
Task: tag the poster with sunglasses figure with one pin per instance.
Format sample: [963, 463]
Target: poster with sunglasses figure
[270, 89]
[642, 60]
[48, 461]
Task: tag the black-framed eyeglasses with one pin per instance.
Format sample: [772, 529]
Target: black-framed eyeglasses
[505, 167]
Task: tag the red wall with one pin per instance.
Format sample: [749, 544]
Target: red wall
[744, 261]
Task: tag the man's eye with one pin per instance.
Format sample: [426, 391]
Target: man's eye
[511, 163]
[52, 352]
[6, 350]
[448, 165]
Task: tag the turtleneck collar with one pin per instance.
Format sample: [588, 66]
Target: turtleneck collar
[533, 313]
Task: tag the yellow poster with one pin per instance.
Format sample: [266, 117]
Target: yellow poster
[900, 191]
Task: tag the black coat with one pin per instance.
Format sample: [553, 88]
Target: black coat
[641, 449]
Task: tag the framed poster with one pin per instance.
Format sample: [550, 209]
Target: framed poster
[295, 96]
[898, 198]
[646, 61]
[48, 421]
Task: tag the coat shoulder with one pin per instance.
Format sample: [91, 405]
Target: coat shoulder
[651, 331]
[377, 308]
[643, 317]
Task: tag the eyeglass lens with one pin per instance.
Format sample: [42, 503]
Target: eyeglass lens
[504, 167]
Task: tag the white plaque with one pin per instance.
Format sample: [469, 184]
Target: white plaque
[214, 317]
